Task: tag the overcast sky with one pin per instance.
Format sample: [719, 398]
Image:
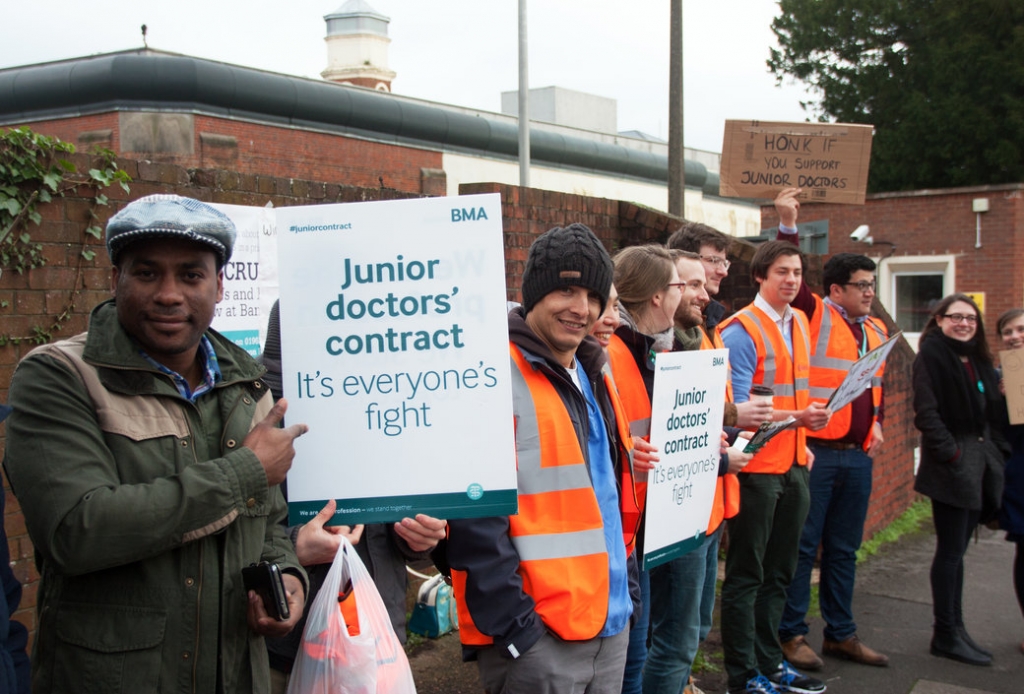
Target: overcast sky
[461, 52]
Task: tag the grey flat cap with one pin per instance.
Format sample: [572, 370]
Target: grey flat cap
[171, 216]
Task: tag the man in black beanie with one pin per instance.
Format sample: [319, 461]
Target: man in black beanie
[544, 596]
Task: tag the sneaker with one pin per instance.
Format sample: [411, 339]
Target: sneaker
[756, 685]
[787, 679]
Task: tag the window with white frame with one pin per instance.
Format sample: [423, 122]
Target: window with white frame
[910, 286]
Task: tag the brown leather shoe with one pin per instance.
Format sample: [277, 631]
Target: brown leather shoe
[800, 654]
[854, 649]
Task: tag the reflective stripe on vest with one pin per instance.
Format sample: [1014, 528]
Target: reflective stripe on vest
[787, 376]
[727, 487]
[636, 405]
[835, 352]
[558, 532]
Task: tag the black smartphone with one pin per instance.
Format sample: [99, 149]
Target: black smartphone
[266, 580]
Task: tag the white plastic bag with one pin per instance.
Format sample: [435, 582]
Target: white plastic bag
[330, 659]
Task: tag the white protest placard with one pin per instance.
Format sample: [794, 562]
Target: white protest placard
[686, 427]
[394, 340]
[250, 278]
[860, 375]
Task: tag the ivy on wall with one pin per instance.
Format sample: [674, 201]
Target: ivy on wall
[34, 169]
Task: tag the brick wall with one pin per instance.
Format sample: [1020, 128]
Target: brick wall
[529, 212]
[34, 298]
[250, 148]
[923, 223]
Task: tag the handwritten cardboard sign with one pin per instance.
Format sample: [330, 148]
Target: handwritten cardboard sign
[828, 160]
[1012, 363]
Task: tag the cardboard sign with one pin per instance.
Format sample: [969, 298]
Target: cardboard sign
[686, 427]
[394, 339]
[1011, 362]
[829, 161]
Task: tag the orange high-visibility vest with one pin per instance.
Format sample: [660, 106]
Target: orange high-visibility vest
[787, 376]
[558, 532]
[727, 487]
[833, 353]
[637, 406]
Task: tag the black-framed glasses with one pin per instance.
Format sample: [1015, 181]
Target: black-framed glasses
[715, 261]
[961, 318]
[864, 286]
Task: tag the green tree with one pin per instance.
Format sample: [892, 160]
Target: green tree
[942, 81]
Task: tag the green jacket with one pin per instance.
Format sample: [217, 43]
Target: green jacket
[143, 508]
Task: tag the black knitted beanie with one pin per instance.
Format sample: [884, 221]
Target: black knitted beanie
[563, 257]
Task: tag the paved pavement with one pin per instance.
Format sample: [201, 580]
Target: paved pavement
[893, 607]
[892, 604]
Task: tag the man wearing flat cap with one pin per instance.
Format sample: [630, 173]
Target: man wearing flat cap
[544, 596]
[146, 457]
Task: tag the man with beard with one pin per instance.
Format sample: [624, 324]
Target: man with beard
[683, 589]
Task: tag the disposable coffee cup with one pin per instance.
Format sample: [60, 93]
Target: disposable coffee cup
[762, 394]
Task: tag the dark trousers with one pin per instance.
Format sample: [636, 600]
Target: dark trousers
[953, 529]
[840, 485]
[764, 540]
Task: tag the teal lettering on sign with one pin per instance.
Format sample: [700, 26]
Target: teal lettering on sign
[470, 215]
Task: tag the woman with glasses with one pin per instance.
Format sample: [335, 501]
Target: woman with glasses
[648, 285]
[1010, 328]
[961, 414]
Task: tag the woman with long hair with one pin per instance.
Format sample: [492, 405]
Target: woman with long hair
[1010, 328]
[960, 414]
[648, 285]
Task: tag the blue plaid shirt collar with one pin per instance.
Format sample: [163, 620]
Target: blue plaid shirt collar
[211, 371]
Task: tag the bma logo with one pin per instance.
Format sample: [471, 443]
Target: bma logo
[470, 215]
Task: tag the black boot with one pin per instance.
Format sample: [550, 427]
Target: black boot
[962, 632]
[949, 644]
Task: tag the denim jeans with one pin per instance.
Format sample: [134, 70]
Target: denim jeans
[636, 654]
[840, 486]
[682, 603]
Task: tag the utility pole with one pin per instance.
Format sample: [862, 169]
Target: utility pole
[676, 163]
[524, 102]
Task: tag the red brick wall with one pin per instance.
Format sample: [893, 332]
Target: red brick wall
[34, 298]
[270, 150]
[529, 212]
[925, 223]
[940, 223]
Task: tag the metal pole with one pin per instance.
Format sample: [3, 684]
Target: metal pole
[676, 153]
[524, 102]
